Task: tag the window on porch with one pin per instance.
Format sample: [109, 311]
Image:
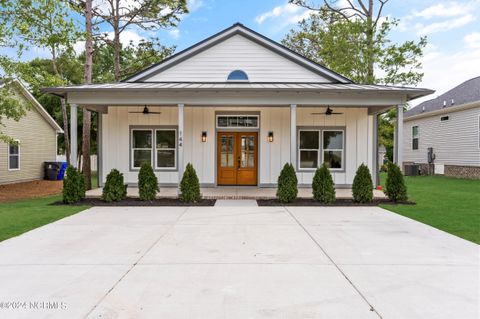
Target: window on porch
[317, 146]
[156, 147]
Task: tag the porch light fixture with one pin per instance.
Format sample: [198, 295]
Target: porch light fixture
[204, 136]
[270, 136]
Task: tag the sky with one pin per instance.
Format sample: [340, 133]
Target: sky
[452, 28]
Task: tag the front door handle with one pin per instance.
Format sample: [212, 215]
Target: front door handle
[238, 162]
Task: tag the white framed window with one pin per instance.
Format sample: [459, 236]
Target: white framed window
[166, 148]
[414, 137]
[237, 121]
[14, 156]
[333, 147]
[308, 149]
[141, 147]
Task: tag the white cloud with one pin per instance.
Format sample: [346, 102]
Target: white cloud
[194, 5]
[444, 71]
[472, 40]
[286, 14]
[444, 25]
[174, 33]
[440, 17]
[450, 9]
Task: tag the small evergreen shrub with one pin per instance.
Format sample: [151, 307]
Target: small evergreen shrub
[287, 184]
[73, 186]
[147, 183]
[114, 190]
[190, 186]
[322, 186]
[362, 188]
[395, 187]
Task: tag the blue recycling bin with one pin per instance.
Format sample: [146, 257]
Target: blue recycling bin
[61, 172]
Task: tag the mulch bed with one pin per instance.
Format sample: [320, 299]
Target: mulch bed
[137, 202]
[27, 190]
[338, 202]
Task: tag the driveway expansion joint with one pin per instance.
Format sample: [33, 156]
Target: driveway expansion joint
[372, 308]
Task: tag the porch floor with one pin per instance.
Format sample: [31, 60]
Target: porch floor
[234, 192]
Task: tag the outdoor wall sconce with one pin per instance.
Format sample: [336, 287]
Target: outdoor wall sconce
[204, 136]
[270, 136]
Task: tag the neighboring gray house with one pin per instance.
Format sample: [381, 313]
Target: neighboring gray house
[450, 125]
[36, 134]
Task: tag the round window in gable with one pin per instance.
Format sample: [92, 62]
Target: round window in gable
[237, 75]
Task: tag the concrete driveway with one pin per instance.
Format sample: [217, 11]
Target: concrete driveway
[238, 262]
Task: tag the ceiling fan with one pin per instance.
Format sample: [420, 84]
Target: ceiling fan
[328, 111]
[146, 111]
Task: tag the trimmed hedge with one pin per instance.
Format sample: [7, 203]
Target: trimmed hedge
[287, 184]
[114, 190]
[190, 186]
[73, 186]
[323, 188]
[147, 183]
[362, 188]
[395, 187]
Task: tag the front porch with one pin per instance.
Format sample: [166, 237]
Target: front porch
[235, 192]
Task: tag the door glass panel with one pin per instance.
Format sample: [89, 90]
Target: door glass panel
[247, 151]
[226, 151]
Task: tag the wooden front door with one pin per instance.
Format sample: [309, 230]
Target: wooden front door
[237, 158]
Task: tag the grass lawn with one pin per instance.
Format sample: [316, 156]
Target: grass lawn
[449, 204]
[19, 217]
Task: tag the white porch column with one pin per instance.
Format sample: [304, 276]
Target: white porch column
[181, 164]
[73, 135]
[375, 177]
[293, 135]
[399, 137]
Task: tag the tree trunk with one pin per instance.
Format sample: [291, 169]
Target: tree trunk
[86, 168]
[66, 136]
[116, 42]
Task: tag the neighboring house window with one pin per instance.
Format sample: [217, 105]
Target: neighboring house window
[13, 157]
[309, 149]
[158, 150]
[141, 147]
[166, 152]
[237, 75]
[333, 149]
[414, 137]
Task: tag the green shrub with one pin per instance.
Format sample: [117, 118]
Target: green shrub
[73, 186]
[147, 183]
[395, 187]
[190, 186]
[322, 187]
[114, 190]
[287, 184]
[362, 188]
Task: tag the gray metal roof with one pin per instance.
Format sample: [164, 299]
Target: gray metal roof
[411, 92]
[467, 92]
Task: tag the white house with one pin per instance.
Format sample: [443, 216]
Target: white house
[448, 125]
[238, 106]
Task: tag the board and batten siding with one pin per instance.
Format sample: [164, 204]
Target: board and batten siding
[272, 156]
[454, 142]
[237, 53]
[38, 144]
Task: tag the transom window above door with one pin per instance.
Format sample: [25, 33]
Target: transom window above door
[154, 146]
[237, 121]
[317, 146]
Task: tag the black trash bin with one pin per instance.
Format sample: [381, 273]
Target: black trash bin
[51, 170]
